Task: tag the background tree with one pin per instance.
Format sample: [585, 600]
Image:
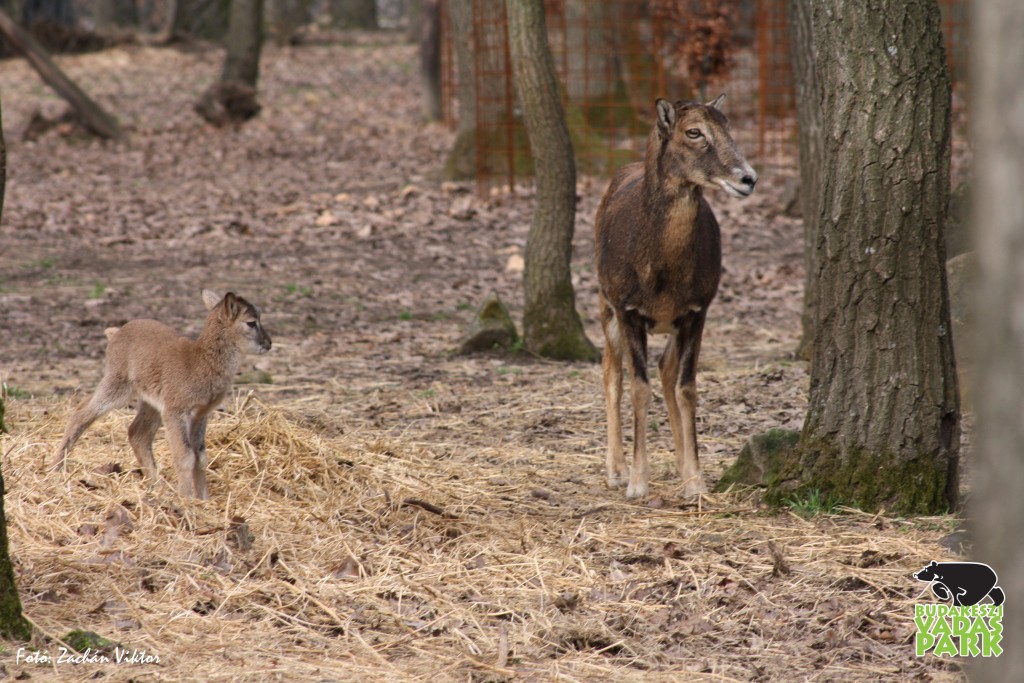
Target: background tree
[551, 325]
[111, 15]
[595, 74]
[12, 622]
[808, 110]
[481, 88]
[883, 420]
[997, 82]
[354, 13]
[428, 35]
[233, 97]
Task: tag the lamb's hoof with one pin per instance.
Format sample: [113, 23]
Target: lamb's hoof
[637, 490]
[617, 481]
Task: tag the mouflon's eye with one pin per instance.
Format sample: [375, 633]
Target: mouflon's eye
[694, 133]
[251, 323]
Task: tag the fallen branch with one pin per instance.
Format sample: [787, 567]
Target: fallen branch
[93, 116]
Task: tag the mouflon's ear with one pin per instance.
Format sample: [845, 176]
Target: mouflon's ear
[717, 103]
[233, 305]
[211, 299]
[666, 117]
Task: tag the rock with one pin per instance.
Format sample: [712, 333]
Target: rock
[492, 328]
[763, 459]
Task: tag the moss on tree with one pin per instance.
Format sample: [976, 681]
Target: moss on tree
[12, 623]
[790, 468]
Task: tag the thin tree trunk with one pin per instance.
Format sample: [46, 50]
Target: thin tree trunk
[551, 326]
[12, 622]
[114, 14]
[808, 108]
[232, 99]
[429, 38]
[478, 27]
[997, 88]
[883, 421]
[244, 41]
[354, 13]
[94, 117]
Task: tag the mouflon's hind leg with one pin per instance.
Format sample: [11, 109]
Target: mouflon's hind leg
[611, 364]
[110, 394]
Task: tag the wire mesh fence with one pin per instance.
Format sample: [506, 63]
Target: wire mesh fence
[615, 57]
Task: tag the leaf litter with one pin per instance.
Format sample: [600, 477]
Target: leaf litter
[381, 509]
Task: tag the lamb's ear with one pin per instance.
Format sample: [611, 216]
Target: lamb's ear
[211, 299]
[232, 306]
[717, 104]
[666, 117]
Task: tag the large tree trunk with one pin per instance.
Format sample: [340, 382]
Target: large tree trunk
[233, 98]
[354, 13]
[997, 506]
[883, 422]
[12, 622]
[808, 109]
[551, 326]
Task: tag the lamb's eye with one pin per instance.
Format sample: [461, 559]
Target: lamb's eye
[694, 133]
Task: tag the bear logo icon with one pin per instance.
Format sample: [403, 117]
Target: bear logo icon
[966, 582]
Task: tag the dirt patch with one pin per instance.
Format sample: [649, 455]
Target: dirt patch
[383, 510]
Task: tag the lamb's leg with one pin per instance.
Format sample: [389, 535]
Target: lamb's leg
[110, 394]
[140, 436]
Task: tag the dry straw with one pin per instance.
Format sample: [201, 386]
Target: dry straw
[325, 556]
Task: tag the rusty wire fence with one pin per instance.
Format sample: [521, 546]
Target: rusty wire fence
[615, 57]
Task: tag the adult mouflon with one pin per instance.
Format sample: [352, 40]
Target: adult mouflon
[659, 260]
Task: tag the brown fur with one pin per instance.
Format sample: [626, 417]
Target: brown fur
[178, 381]
[659, 260]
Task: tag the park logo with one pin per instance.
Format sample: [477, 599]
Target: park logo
[960, 624]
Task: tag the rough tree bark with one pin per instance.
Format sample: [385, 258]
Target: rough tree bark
[93, 116]
[12, 623]
[997, 89]
[883, 420]
[808, 109]
[551, 325]
[233, 98]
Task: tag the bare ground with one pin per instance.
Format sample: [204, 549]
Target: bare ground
[412, 515]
